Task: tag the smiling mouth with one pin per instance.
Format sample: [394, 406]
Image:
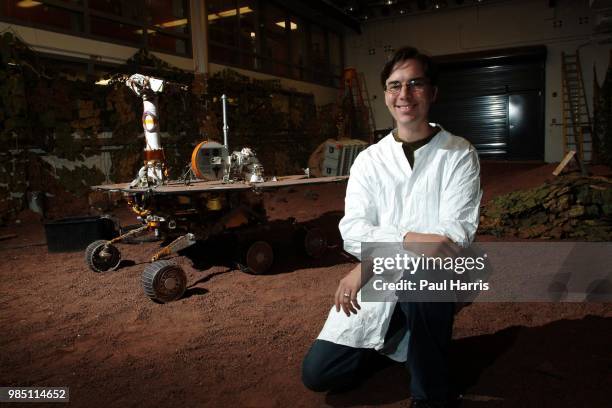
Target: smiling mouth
[405, 108]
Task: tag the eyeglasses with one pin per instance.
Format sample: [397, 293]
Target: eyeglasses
[416, 85]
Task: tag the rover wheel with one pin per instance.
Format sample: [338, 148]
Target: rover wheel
[315, 243]
[164, 281]
[102, 257]
[258, 258]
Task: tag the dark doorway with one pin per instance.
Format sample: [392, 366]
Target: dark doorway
[495, 100]
[525, 138]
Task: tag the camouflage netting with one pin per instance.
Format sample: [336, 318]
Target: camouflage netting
[602, 116]
[569, 207]
[56, 127]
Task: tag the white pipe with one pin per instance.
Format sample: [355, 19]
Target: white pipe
[225, 126]
[150, 125]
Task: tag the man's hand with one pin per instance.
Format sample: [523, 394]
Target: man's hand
[346, 294]
[430, 245]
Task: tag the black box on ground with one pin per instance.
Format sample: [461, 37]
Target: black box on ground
[75, 233]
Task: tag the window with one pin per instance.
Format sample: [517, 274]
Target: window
[120, 8]
[276, 40]
[299, 47]
[40, 14]
[161, 25]
[172, 16]
[222, 22]
[106, 28]
[170, 22]
[335, 57]
[318, 54]
[270, 39]
[248, 33]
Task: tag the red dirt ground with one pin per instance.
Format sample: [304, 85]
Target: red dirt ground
[238, 340]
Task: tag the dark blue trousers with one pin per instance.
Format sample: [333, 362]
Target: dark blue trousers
[330, 366]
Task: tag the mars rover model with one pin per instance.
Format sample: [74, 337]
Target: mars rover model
[223, 196]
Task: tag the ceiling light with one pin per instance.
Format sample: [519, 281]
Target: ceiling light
[102, 82]
[440, 4]
[229, 13]
[28, 3]
[149, 31]
[232, 12]
[174, 23]
[291, 23]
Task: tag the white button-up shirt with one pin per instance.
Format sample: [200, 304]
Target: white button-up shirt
[385, 199]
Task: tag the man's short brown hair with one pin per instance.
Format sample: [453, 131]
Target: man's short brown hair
[408, 53]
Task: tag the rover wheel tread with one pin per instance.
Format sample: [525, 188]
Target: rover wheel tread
[258, 258]
[102, 257]
[315, 243]
[164, 281]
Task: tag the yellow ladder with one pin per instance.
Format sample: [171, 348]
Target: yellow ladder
[577, 128]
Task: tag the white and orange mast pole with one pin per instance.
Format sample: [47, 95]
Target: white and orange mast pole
[154, 171]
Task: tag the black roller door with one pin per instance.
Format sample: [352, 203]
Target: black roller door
[495, 100]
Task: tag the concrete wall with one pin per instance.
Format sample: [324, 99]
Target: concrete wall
[494, 25]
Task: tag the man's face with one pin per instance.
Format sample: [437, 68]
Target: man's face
[410, 106]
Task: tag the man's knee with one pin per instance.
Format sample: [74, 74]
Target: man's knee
[330, 366]
[312, 375]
